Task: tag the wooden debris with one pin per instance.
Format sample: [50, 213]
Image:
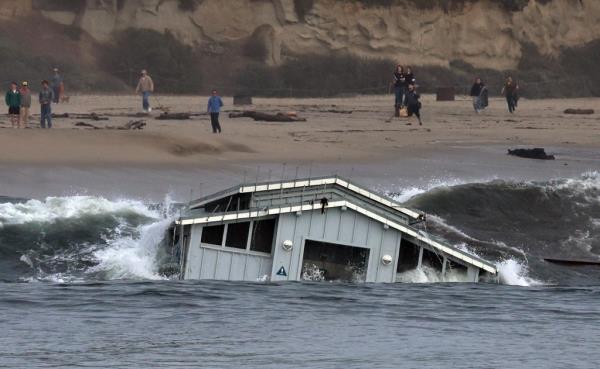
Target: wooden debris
[173, 116]
[579, 111]
[133, 124]
[86, 125]
[266, 117]
[537, 153]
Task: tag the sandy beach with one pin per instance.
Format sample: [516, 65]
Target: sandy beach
[350, 136]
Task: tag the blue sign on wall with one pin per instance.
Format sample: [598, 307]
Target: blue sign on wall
[282, 272]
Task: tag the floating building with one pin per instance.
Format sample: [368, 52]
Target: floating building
[315, 229]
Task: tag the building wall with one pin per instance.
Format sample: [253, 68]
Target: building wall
[334, 226]
[212, 262]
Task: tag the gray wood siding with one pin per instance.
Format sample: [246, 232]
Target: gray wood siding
[334, 226]
[210, 262]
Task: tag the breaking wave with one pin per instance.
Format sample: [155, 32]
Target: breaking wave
[519, 224]
[515, 224]
[77, 238]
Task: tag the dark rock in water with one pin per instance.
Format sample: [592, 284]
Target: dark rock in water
[537, 153]
[579, 111]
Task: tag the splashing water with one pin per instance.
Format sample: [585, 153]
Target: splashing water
[515, 273]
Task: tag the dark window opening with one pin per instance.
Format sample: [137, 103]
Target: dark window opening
[237, 235]
[230, 203]
[408, 258]
[452, 266]
[213, 234]
[432, 259]
[263, 232]
[333, 262]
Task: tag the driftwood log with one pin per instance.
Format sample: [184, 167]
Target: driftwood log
[173, 116]
[579, 111]
[266, 117]
[92, 116]
[86, 125]
[537, 153]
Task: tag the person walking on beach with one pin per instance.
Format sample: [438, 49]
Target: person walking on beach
[57, 86]
[399, 82]
[13, 101]
[479, 94]
[411, 101]
[214, 108]
[510, 91]
[25, 104]
[145, 86]
[46, 97]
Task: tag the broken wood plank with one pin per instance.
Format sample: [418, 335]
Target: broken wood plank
[266, 117]
[579, 111]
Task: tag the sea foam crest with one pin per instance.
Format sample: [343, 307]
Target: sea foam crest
[52, 208]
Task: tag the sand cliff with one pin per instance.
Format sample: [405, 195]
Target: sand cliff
[482, 33]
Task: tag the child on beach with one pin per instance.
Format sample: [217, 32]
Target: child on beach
[13, 101]
[411, 101]
[25, 104]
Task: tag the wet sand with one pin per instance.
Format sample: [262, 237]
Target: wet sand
[354, 137]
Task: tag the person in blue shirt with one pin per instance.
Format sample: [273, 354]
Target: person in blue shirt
[214, 108]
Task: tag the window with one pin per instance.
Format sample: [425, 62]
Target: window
[237, 235]
[262, 235]
[213, 234]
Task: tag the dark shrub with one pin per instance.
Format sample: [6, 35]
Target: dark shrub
[172, 65]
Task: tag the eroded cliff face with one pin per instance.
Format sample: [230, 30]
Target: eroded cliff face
[481, 33]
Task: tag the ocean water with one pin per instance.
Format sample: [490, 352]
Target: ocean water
[80, 287]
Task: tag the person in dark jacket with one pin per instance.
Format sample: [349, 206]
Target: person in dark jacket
[13, 101]
[410, 77]
[214, 108]
[399, 82]
[46, 97]
[510, 91]
[478, 90]
[412, 103]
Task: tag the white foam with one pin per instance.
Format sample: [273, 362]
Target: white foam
[53, 208]
[427, 274]
[515, 273]
[131, 257]
[405, 194]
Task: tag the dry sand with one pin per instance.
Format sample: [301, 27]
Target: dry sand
[330, 133]
[350, 136]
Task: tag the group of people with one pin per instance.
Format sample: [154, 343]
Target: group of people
[145, 87]
[18, 100]
[405, 88]
[479, 93]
